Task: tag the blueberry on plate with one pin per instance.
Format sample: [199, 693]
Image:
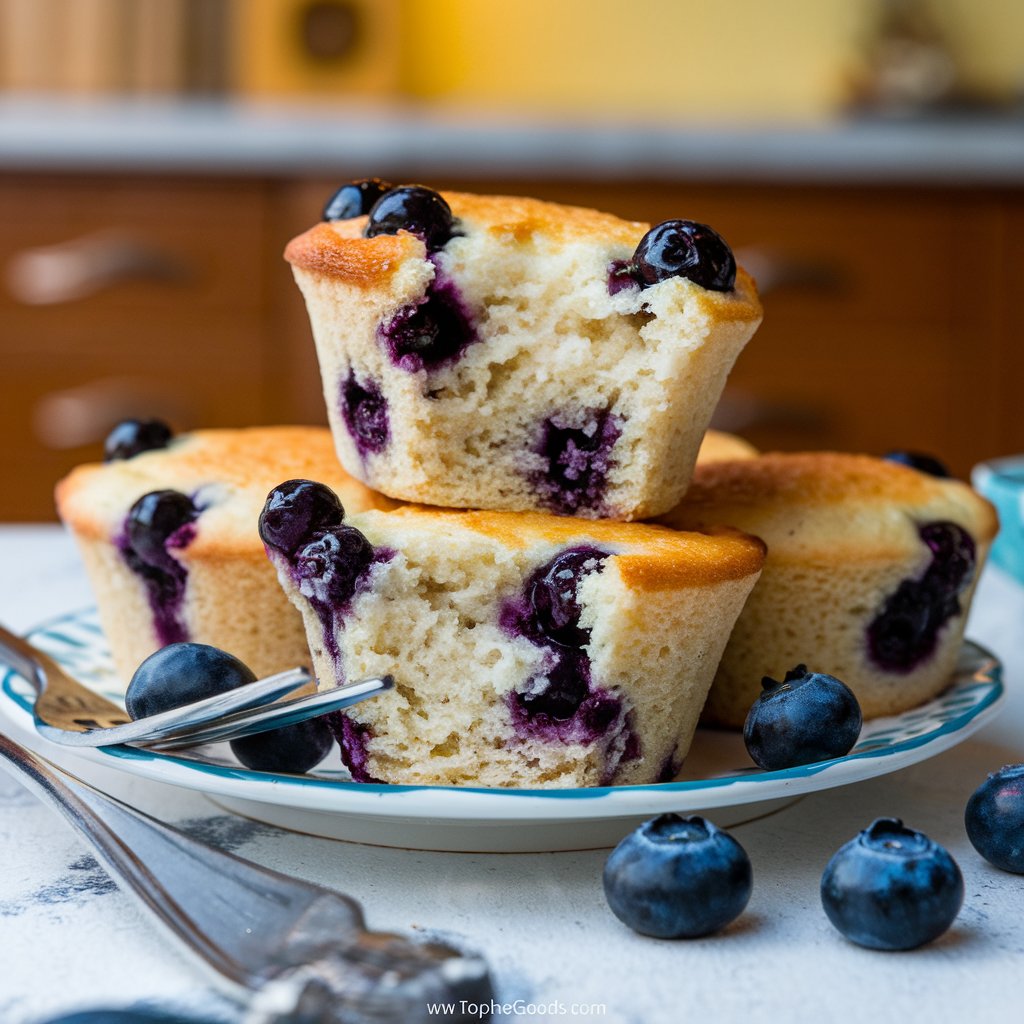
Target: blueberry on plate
[130, 437]
[677, 878]
[684, 248]
[293, 749]
[995, 819]
[416, 209]
[182, 674]
[891, 888]
[919, 461]
[807, 717]
[355, 198]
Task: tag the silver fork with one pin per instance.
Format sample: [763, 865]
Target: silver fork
[69, 713]
[293, 952]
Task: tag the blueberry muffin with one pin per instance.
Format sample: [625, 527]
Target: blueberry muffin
[167, 529]
[505, 353]
[870, 572]
[528, 649]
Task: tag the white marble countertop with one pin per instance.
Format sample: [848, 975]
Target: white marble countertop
[280, 138]
[540, 919]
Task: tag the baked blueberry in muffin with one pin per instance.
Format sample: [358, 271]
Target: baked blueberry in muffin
[870, 572]
[509, 354]
[168, 535]
[528, 649]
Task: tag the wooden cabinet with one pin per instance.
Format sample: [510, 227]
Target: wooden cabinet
[890, 314]
[124, 297]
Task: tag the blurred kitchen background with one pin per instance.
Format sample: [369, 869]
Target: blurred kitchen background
[865, 157]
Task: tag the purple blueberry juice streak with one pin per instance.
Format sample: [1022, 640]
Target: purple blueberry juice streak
[621, 277]
[905, 632]
[352, 738]
[560, 704]
[668, 770]
[431, 332]
[591, 721]
[164, 584]
[365, 412]
[332, 613]
[577, 459]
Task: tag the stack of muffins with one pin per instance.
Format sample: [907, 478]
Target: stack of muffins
[553, 371]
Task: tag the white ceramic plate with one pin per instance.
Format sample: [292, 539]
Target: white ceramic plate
[718, 777]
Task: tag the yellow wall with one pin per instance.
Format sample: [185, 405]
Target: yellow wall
[736, 58]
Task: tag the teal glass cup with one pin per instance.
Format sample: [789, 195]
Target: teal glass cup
[1002, 482]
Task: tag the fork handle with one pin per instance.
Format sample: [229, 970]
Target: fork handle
[20, 655]
[303, 949]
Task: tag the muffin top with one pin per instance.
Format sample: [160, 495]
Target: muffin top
[649, 557]
[338, 249]
[828, 505]
[227, 473]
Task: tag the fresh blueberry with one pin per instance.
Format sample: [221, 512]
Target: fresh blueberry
[677, 878]
[355, 198]
[181, 674]
[152, 522]
[130, 437]
[329, 564]
[554, 595]
[416, 209]
[294, 511]
[684, 248]
[891, 888]
[919, 461]
[294, 749]
[807, 717]
[906, 630]
[365, 410]
[995, 819]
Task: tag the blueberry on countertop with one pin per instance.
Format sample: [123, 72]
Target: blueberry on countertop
[807, 717]
[293, 749]
[677, 878]
[995, 818]
[416, 209]
[891, 888]
[295, 510]
[181, 674]
[131, 437]
[355, 198]
[684, 248]
[919, 461]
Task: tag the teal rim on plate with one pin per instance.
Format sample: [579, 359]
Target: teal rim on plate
[76, 641]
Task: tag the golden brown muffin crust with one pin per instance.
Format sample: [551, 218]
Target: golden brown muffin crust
[248, 460]
[811, 478]
[655, 557]
[337, 249]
